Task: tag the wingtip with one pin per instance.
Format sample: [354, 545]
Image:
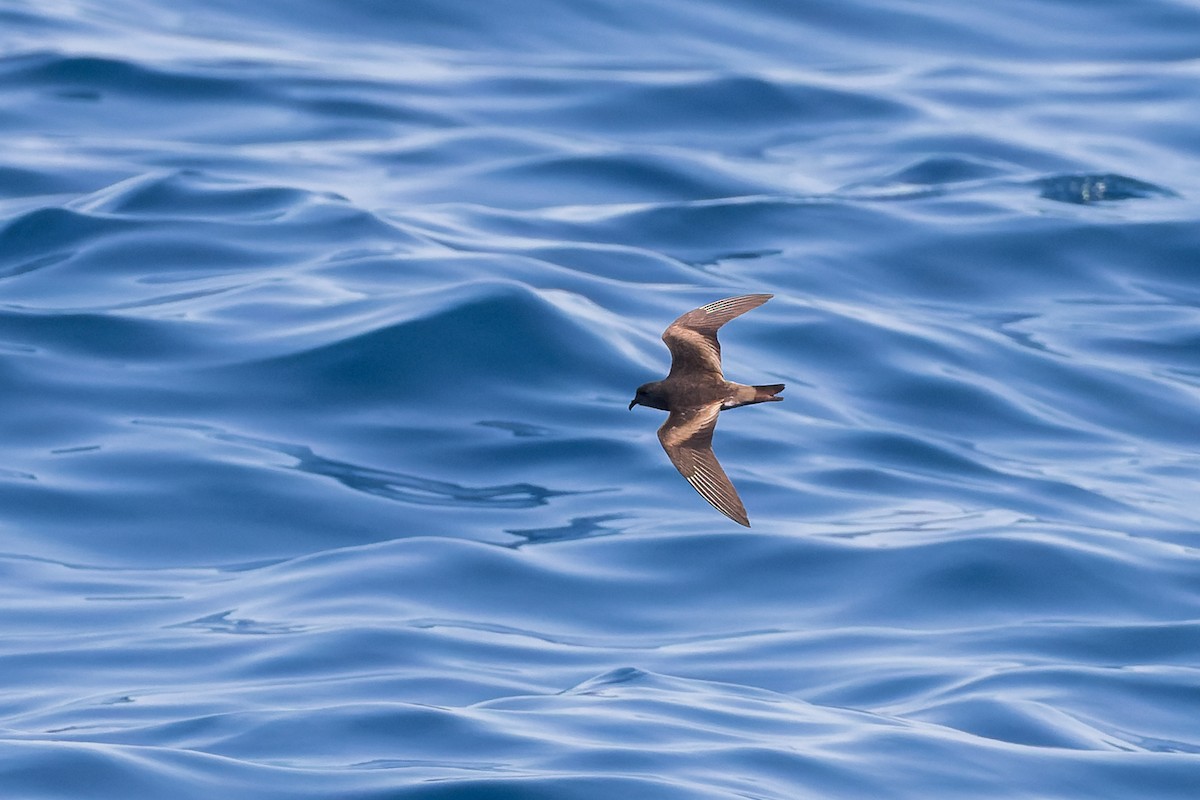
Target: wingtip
[737, 515]
[743, 520]
[728, 503]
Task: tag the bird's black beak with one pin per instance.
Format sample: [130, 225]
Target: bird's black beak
[632, 403]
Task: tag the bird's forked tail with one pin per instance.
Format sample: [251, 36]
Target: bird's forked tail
[749, 395]
[762, 394]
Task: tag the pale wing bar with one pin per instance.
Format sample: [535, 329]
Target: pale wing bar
[721, 311]
[706, 319]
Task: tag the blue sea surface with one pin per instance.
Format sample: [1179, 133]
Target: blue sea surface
[319, 321]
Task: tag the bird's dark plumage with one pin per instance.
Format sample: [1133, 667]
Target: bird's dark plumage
[695, 392]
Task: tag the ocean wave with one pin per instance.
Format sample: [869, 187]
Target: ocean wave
[318, 327]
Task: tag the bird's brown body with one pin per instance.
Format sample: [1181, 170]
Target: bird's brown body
[695, 392]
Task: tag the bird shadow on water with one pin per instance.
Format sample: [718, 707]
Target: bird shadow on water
[225, 622]
[577, 528]
[390, 485]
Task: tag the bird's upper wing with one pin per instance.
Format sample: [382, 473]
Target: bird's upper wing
[692, 339]
[687, 438]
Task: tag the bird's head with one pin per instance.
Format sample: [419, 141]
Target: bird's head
[648, 394]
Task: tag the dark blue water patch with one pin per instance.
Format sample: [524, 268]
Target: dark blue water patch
[89, 93]
[979, 147]
[1098, 188]
[192, 194]
[937, 170]
[975, 707]
[194, 197]
[31, 237]
[1063, 258]
[33, 21]
[583, 31]
[455, 147]
[938, 178]
[98, 76]
[479, 335]
[273, 103]
[589, 179]
[828, 36]
[104, 337]
[370, 109]
[21, 181]
[698, 231]
[117, 256]
[712, 104]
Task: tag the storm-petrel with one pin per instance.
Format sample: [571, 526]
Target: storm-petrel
[695, 392]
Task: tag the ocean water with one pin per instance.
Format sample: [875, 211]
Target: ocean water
[319, 321]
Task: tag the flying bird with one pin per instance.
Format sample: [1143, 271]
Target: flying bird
[695, 392]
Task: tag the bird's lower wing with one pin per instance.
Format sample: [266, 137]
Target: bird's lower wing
[687, 438]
